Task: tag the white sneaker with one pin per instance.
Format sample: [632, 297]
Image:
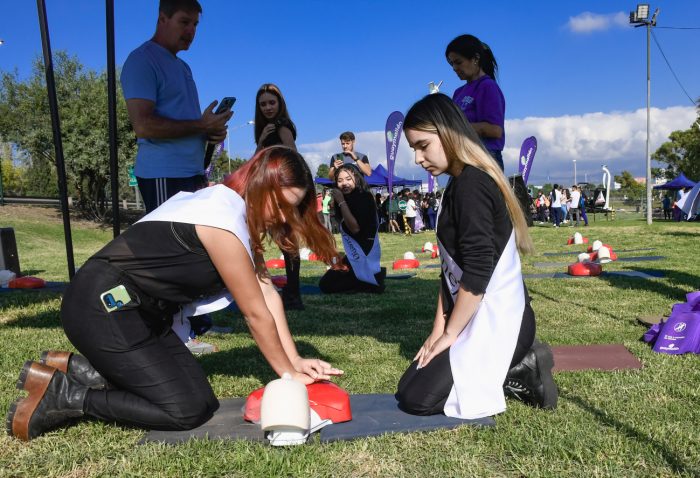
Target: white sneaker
[197, 347]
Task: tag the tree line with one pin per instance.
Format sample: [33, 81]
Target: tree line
[27, 151]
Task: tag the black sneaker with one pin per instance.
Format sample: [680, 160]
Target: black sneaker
[531, 380]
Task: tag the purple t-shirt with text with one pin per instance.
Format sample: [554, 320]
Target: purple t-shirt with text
[482, 100]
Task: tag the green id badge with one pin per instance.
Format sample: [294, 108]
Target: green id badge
[115, 298]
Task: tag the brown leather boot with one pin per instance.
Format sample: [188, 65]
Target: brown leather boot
[76, 367]
[54, 399]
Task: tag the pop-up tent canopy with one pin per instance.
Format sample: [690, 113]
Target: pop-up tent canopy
[691, 202]
[679, 182]
[379, 177]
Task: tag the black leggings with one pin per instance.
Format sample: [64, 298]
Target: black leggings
[425, 391]
[292, 266]
[337, 281]
[157, 383]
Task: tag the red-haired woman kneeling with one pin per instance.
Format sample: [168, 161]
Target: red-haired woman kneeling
[119, 307]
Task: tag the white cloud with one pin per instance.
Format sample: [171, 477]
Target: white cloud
[588, 22]
[617, 139]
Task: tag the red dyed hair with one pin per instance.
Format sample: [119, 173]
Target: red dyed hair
[260, 181]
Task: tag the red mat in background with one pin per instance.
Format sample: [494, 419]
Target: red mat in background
[569, 358]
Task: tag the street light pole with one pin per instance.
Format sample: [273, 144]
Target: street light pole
[575, 181]
[228, 140]
[639, 18]
[2, 191]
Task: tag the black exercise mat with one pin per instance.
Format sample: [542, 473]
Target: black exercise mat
[59, 287]
[226, 424]
[543, 265]
[372, 415]
[400, 276]
[378, 414]
[579, 252]
[564, 275]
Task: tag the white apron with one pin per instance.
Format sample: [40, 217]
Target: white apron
[481, 355]
[216, 206]
[363, 265]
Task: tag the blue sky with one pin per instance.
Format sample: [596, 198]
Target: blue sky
[573, 73]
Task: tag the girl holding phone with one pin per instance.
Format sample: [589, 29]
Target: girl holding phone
[273, 126]
[195, 247]
[482, 340]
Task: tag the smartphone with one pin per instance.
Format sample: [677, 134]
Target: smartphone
[226, 104]
[115, 298]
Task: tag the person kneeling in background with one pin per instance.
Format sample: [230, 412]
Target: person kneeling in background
[356, 212]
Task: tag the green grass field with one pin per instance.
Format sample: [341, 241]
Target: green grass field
[629, 423]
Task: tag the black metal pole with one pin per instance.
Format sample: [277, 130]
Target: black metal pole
[112, 112]
[56, 126]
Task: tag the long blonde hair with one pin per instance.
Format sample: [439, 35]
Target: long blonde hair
[438, 114]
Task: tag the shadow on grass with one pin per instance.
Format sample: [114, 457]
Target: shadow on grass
[32, 313]
[687, 282]
[677, 234]
[33, 272]
[674, 461]
[535, 293]
[248, 361]
[402, 315]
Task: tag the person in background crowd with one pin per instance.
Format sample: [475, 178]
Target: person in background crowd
[666, 204]
[431, 211]
[555, 205]
[582, 206]
[418, 224]
[411, 212]
[574, 204]
[381, 213]
[391, 205]
[326, 210]
[480, 99]
[565, 201]
[319, 206]
[424, 206]
[482, 343]
[542, 204]
[273, 126]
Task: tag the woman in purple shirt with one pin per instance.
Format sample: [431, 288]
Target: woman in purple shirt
[480, 99]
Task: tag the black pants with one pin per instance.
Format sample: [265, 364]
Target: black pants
[336, 281]
[292, 266]
[425, 391]
[158, 384]
[155, 191]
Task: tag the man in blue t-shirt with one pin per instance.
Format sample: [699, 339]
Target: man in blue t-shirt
[163, 105]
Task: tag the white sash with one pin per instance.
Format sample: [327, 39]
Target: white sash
[216, 206]
[363, 265]
[481, 355]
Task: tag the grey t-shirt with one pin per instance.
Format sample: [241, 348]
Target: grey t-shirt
[347, 159]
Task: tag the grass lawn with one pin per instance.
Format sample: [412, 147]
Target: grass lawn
[630, 423]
